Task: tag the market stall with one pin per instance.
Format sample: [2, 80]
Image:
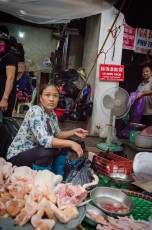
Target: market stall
[31, 199]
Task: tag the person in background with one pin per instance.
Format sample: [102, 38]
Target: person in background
[8, 74]
[5, 30]
[40, 143]
[32, 77]
[23, 81]
[145, 89]
[23, 86]
[17, 49]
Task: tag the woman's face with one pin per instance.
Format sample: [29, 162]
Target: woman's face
[49, 98]
[2, 41]
[146, 73]
[21, 67]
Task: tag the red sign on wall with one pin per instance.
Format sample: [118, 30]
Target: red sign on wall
[111, 72]
[128, 37]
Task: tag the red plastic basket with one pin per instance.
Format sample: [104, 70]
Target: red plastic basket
[115, 163]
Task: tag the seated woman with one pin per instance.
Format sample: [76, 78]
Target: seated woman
[23, 86]
[23, 83]
[40, 144]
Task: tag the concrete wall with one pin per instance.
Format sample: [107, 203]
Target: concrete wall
[75, 52]
[37, 42]
[91, 44]
[96, 32]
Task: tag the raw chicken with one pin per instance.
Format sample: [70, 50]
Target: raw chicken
[147, 131]
[13, 207]
[43, 208]
[124, 223]
[70, 194]
[22, 173]
[46, 224]
[2, 163]
[3, 211]
[46, 180]
[31, 207]
[64, 216]
[28, 194]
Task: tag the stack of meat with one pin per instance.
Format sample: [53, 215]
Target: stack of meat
[124, 223]
[37, 196]
[147, 131]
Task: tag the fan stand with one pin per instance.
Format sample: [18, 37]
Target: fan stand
[108, 145]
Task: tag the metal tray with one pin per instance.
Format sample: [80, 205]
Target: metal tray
[137, 126]
[97, 211]
[8, 223]
[120, 178]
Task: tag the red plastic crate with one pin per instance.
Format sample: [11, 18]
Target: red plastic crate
[116, 163]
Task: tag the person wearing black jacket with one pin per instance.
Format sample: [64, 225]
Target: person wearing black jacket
[8, 74]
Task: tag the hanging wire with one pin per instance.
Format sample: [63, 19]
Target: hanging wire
[100, 51]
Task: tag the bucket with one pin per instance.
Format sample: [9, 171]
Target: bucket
[59, 112]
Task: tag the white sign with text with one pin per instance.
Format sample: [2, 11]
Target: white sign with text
[143, 41]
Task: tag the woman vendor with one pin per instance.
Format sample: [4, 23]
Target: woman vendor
[40, 144]
[145, 89]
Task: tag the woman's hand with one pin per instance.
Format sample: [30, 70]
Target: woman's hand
[3, 104]
[80, 132]
[77, 148]
[139, 95]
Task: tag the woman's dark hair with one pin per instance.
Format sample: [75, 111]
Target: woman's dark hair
[5, 38]
[45, 86]
[4, 29]
[147, 66]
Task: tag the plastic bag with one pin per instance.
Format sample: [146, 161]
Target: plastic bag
[139, 104]
[75, 116]
[8, 131]
[79, 172]
[138, 110]
[82, 110]
[71, 89]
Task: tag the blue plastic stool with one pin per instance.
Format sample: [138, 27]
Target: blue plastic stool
[58, 164]
[36, 167]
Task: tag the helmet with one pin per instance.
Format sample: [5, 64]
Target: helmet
[82, 73]
[4, 36]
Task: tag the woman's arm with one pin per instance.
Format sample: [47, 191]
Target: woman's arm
[147, 93]
[74, 132]
[59, 143]
[37, 125]
[29, 88]
[10, 75]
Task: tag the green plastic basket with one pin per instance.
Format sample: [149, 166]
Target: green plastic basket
[142, 205]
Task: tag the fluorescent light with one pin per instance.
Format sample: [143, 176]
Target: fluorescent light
[21, 34]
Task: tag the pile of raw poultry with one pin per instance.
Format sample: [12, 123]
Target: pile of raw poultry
[37, 196]
[41, 198]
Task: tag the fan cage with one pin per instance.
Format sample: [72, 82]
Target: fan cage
[111, 110]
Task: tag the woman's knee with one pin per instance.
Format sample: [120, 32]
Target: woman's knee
[46, 152]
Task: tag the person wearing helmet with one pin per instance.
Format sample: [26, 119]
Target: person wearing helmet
[8, 73]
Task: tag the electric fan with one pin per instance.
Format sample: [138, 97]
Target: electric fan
[114, 105]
